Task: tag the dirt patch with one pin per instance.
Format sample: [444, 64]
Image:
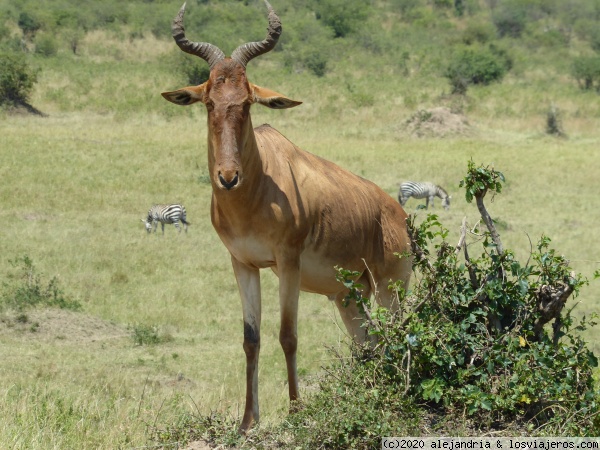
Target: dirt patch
[59, 325]
[437, 122]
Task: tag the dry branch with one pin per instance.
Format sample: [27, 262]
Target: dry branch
[550, 302]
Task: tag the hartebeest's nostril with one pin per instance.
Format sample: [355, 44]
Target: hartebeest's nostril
[229, 184]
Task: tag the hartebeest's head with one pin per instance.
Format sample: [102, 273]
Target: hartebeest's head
[228, 95]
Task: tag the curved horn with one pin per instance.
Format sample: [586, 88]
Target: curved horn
[246, 52]
[208, 52]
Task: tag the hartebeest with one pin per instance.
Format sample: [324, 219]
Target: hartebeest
[275, 205]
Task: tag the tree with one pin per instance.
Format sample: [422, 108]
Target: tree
[16, 79]
[28, 24]
[586, 70]
[343, 16]
[474, 65]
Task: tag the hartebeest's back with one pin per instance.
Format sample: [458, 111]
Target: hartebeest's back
[348, 221]
[277, 206]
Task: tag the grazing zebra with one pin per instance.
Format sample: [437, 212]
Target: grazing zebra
[166, 214]
[423, 190]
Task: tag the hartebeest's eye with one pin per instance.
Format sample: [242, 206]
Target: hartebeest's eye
[210, 106]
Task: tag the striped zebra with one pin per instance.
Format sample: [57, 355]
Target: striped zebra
[423, 190]
[166, 214]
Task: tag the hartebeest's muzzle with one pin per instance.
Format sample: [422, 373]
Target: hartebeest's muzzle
[227, 180]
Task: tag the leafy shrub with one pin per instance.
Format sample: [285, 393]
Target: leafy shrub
[510, 18]
[147, 335]
[28, 24]
[195, 70]
[343, 16]
[307, 46]
[478, 32]
[475, 66]
[405, 6]
[30, 291]
[459, 7]
[471, 336]
[586, 70]
[595, 39]
[16, 79]
[316, 62]
[46, 45]
[554, 122]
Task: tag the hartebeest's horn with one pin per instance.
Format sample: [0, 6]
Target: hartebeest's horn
[208, 52]
[246, 52]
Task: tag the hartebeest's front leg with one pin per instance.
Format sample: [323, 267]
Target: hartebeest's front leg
[288, 268]
[248, 279]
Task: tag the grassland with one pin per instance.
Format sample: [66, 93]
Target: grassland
[75, 185]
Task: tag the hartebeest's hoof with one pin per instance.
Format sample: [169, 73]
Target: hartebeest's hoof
[296, 406]
[246, 425]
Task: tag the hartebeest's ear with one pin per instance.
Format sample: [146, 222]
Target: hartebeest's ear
[272, 99]
[187, 95]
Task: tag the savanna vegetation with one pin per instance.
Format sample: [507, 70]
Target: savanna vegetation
[111, 338]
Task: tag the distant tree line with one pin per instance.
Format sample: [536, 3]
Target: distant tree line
[476, 35]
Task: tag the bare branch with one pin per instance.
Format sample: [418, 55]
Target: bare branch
[463, 236]
[550, 301]
[489, 223]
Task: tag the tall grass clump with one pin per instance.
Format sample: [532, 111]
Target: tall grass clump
[27, 289]
[554, 123]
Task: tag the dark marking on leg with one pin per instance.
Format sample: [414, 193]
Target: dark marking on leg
[250, 335]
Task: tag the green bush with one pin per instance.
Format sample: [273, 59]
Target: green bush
[316, 62]
[478, 32]
[307, 46]
[343, 16]
[475, 66]
[471, 336]
[46, 45]
[28, 290]
[28, 24]
[586, 70]
[554, 126]
[142, 334]
[595, 39]
[16, 79]
[510, 18]
[195, 70]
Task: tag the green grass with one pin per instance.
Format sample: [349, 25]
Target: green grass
[76, 184]
[74, 189]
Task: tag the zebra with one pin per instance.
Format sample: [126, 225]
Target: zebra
[425, 190]
[166, 214]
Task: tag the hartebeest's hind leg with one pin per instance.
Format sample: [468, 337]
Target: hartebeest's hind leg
[248, 280]
[378, 286]
[351, 316]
